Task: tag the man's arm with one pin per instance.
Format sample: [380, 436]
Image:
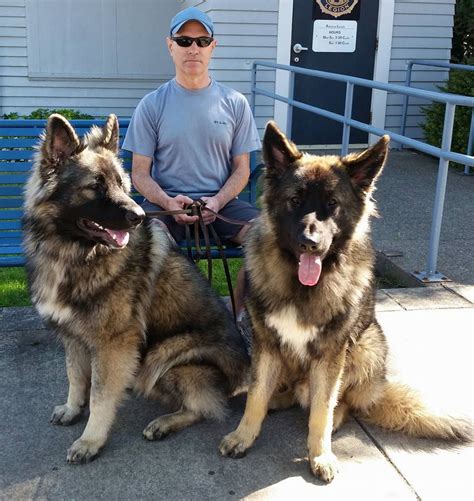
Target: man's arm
[233, 186]
[152, 191]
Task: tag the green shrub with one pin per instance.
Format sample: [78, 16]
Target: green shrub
[460, 82]
[43, 113]
[463, 33]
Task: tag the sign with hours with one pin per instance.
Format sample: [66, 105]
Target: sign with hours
[334, 36]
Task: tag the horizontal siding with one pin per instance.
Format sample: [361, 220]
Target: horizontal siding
[245, 30]
[21, 94]
[413, 7]
[422, 30]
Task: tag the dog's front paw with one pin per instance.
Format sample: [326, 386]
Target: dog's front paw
[82, 451]
[65, 415]
[235, 445]
[324, 466]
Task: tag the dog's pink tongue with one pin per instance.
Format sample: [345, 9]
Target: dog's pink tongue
[309, 269]
[121, 237]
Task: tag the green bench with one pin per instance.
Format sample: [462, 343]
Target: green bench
[17, 140]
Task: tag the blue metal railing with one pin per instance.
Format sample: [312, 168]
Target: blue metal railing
[436, 64]
[444, 154]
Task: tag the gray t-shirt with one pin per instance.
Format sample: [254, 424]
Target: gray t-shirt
[192, 136]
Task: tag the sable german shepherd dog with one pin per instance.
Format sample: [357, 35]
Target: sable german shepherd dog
[131, 309]
[311, 299]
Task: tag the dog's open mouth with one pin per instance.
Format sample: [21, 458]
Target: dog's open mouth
[309, 269]
[113, 238]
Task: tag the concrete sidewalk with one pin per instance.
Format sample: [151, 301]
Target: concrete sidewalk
[430, 334]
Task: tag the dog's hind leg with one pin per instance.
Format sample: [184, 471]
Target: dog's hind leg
[282, 400]
[340, 415]
[198, 391]
[113, 367]
[78, 366]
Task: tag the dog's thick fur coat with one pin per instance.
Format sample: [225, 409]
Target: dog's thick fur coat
[131, 310]
[311, 299]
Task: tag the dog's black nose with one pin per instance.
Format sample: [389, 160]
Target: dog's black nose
[136, 216]
[309, 244]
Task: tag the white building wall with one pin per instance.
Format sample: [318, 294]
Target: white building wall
[23, 91]
[245, 30]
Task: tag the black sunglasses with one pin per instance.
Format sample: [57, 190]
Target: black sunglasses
[188, 41]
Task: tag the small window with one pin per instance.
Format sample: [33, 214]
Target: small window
[99, 39]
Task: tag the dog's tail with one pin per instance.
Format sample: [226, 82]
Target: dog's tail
[400, 408]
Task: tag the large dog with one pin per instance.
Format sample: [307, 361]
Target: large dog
[130, 308]
[311, 301]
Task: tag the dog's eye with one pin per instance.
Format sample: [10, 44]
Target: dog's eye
[295, 201]
[332, 202]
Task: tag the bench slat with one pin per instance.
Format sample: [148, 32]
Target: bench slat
[9, 249]
[18, 143]
[13, 178]
[12, 261]
[20, 131]
[16, 154]
[22, 166]
[10, 214]
[11, 203]
[11, 191]
[10, 225]
[10, 238]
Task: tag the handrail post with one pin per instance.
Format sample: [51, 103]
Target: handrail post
[346, 129]
[253, 85]
[467, 168]
[291, 90]
[431, 274]
[405, 102]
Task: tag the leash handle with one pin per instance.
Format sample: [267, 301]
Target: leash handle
[201, 204]
[195, 209]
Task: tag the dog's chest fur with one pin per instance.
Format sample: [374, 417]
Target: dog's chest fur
[46, 294]
[290, 331]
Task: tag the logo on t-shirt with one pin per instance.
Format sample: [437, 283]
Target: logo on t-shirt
[220, 122]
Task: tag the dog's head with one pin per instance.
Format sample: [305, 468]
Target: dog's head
[317, 204]
[78, 189]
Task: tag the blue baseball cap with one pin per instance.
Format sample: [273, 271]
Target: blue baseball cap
[191, 14]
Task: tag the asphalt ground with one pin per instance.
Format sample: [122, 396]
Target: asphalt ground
[430, 333]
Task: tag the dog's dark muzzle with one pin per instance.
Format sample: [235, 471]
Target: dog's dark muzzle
[134, 216]
[313, 243]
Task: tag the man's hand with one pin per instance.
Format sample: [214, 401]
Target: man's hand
[180, 202]
[214, 205]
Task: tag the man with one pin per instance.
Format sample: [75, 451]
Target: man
[191, 138]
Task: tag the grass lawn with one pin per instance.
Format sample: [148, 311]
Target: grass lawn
[14, 292]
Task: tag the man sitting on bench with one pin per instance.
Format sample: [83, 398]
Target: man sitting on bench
[191, 138]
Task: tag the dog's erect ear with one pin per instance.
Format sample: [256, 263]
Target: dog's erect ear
[61, 139]
[278, 151]
[111, 134]
[364, 168]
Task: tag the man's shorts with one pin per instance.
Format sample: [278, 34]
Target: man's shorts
[235, 209]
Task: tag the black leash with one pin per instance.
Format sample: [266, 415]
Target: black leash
[195, 209]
